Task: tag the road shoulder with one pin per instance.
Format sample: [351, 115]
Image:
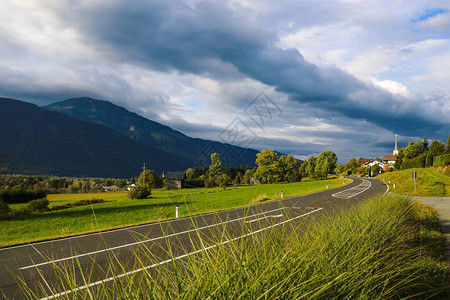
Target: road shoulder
[442, 206]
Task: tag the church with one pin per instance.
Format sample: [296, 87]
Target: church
[391, 158]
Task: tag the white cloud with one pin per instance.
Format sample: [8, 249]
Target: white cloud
[392, 86]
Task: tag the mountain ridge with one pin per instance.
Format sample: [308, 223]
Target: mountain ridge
[43, 142]
[152, 133]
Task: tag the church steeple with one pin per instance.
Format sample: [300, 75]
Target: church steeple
[395, 152]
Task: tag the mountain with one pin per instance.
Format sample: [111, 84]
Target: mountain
[38, 141]
[151, 133]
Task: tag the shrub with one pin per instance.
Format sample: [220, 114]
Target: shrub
[4, 209]
[437, 188]
[38, 205]
[195, 183]
[440, 160]
[260, 198]
[140, 193]
[78, 203]
[21, 195]
[209, 183]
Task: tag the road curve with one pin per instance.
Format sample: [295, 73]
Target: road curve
[35, 262]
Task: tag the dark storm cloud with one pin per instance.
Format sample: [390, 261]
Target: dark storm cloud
[169, 35]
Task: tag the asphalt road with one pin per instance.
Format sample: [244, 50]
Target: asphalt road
[36, 263]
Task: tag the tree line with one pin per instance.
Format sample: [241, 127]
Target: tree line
[421, 154]
[417, 154]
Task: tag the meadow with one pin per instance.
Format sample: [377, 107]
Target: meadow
[387, 248]
[121, 211]
[429, 182]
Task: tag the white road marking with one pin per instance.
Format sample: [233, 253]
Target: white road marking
[122, 229]
[265, 217]
[145, 241]
[352, 192]
[175, 258]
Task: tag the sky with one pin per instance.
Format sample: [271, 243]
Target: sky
[300, 77]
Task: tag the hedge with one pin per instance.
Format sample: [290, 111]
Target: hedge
[417, 162]
[440, 160]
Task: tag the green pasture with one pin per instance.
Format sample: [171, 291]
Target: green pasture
[429, 182]
[122, 211]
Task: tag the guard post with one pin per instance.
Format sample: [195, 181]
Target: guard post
[414, 177]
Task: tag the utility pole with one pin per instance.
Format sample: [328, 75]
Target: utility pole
[143, 175]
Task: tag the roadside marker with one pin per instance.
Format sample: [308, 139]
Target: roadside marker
[176, 212]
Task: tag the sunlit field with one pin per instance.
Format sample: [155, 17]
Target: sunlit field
[122, 211]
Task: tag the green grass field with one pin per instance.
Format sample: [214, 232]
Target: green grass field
[122, 211]
[429, 182]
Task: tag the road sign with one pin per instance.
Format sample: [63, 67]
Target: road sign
[414, 175]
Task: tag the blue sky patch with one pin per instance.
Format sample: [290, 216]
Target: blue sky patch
[430, 13]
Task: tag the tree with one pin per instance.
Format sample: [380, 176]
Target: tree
[448, 144]
[237, 180]
[414, 149]
[150, 179]
[302, 169]
[216, 167]
[325, 163]
[436, 148]
[268, 170]
[310, 169]
[352, 165]
[339, 169]
[223, 180]
[146, 181]
[289, 168]
[399, 159]
[425, 144]
[140, 192]
[375, 168]
[248, 174]
[190, 174]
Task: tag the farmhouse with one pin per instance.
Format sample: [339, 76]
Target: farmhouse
[176, 180]
[254, 181]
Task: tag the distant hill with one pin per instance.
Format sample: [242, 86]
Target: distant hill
[38, 141]
[151, 133]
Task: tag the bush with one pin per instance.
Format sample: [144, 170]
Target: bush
[140, 193]
[78, 203]
[417, 162]
[209, 183]
[440, 160]
[4, 209]
[38, 205]
[195, 183]
[437, 189]
[21, 196]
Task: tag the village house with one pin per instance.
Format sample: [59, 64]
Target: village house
[370, 162]
[176, 180]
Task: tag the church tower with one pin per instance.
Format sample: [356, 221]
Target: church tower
[395, 152]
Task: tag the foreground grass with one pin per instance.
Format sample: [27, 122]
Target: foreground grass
[122, 211]
[429, 182]
[387, 248]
